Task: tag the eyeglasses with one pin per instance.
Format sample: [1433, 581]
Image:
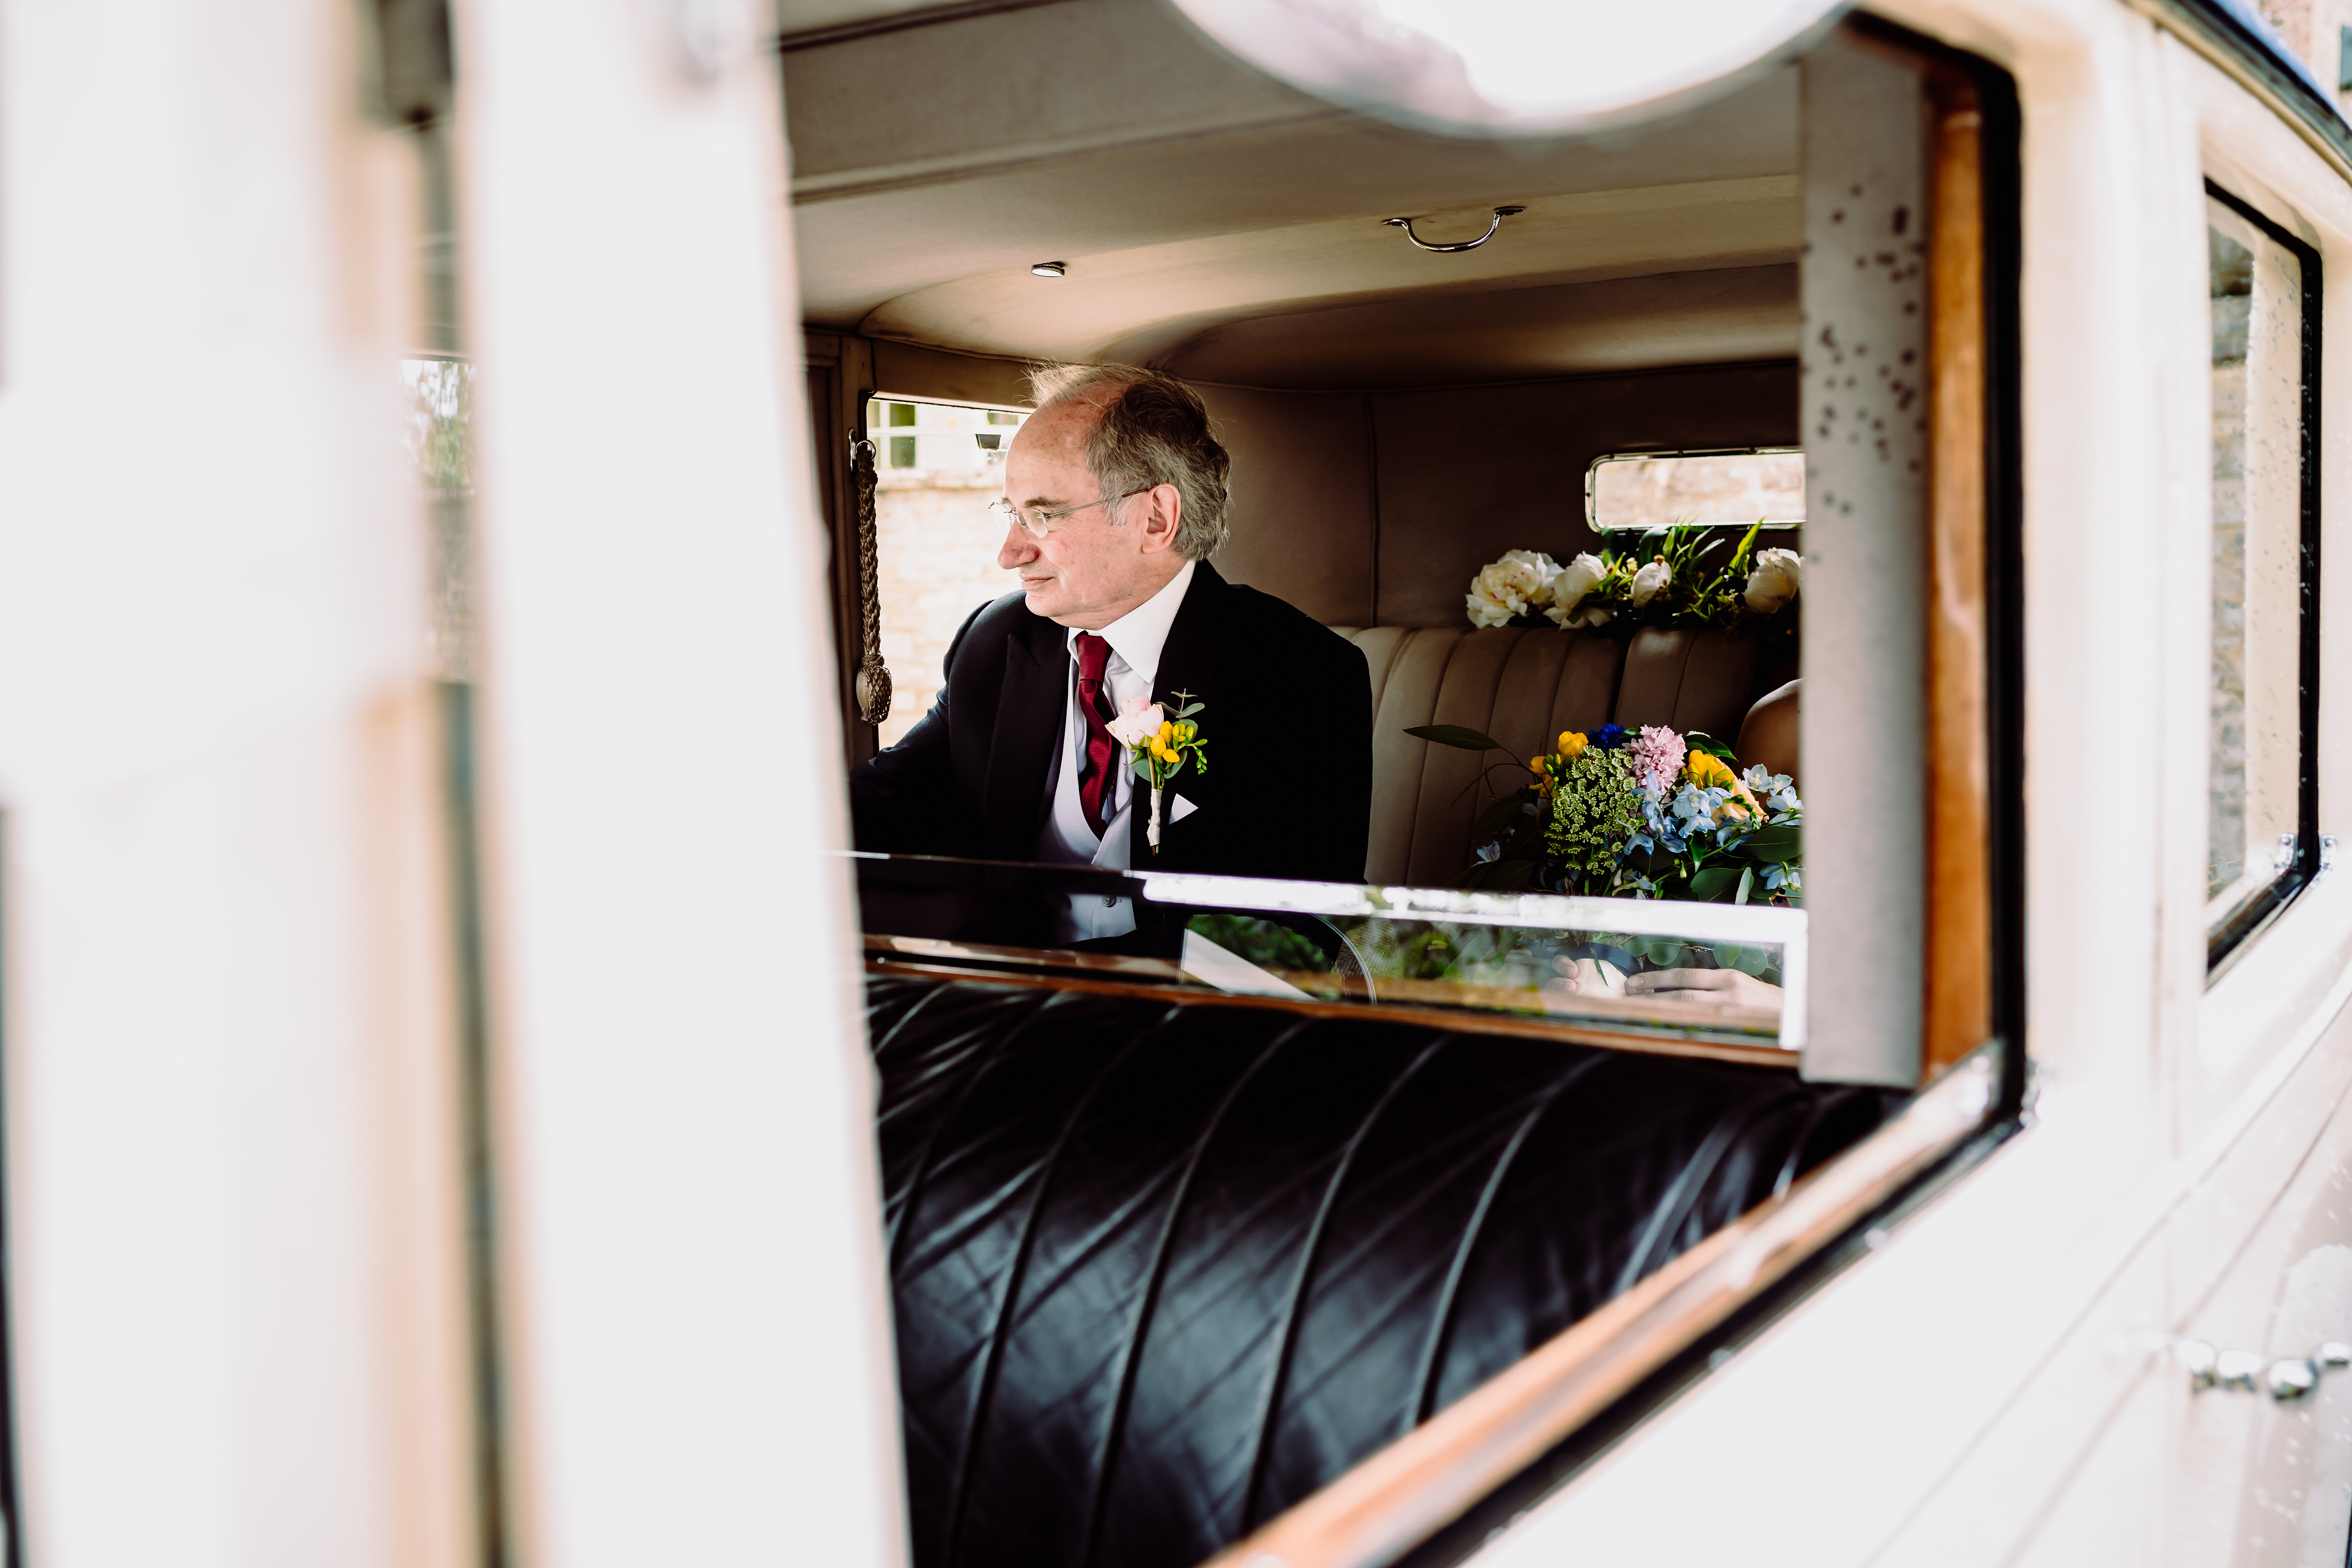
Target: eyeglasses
[1041, 523]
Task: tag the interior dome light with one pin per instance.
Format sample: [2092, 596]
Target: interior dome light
[1513, 67]
[1048, 269]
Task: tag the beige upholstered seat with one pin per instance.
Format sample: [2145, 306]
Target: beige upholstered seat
[1522, 687]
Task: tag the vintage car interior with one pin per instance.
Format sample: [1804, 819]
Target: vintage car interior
[1176, 1261]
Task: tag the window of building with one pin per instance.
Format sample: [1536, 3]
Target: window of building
[935, 544]
[1640, 491]
[2262, 838]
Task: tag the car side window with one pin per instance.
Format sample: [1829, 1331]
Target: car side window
[2262, 843]
[938, 465]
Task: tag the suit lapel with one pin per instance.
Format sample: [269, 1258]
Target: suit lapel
[1189, 661]
[1028, 722]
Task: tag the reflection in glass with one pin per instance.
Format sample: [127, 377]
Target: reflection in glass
[439, 441]
[1638, 971]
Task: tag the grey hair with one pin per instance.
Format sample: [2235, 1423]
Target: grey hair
[1154, 430]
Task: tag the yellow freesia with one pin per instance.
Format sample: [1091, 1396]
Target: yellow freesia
[1572, 744]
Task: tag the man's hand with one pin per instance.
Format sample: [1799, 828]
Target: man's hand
[1589, 976]
[1730, 987]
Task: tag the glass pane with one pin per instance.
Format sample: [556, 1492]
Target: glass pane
[440, 460]
[935, 546]
[1631, 970]
[2254, 750]
[1659, 489]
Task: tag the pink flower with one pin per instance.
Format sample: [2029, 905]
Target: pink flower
[1136, 721]
[1657, 750]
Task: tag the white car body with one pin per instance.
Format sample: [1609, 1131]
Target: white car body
[237, 1245]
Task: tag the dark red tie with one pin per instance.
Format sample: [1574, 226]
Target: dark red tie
[1095, 780]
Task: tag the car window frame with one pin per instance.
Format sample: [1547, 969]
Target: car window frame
[2231, 938]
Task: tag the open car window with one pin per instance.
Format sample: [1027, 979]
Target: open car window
[1658, 866]
[936, 466]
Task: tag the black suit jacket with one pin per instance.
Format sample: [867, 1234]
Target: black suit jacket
[1286, 719]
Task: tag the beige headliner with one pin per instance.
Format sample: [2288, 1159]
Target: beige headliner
[1222, 224]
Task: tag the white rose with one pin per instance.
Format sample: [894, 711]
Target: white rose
[1774, 580]
[1487, 612]
[1649, 580]
[1136, 724]
[1584, 617]
[1576, 579]
[1520, 580]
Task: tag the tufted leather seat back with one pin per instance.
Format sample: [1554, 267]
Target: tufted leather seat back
[1523, 688]
[1161, 1271]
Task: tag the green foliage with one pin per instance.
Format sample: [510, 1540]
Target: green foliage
[1710, 884]
[1706, 585]
[1455, 735]
[1596, 808]
[1260, 941]
[1700, 740]
[1514, 826]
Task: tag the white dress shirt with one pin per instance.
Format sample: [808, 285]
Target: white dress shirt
[1067, 839]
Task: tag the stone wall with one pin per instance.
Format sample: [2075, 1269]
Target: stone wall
[937, 549]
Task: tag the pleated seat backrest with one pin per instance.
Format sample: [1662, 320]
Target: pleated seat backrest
[1522, 687]
[1160, 1272]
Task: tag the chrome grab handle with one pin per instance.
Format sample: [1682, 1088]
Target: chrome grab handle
[2289, 1378]
[1406, 224]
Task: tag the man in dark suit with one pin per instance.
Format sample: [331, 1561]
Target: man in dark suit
[1114, 498]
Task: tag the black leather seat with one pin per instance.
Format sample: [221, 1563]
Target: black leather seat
[1162, 1272]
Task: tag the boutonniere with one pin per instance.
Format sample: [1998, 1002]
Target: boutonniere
[1158, 744]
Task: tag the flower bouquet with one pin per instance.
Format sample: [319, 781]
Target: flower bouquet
[1670, 578]
[1653, 814]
